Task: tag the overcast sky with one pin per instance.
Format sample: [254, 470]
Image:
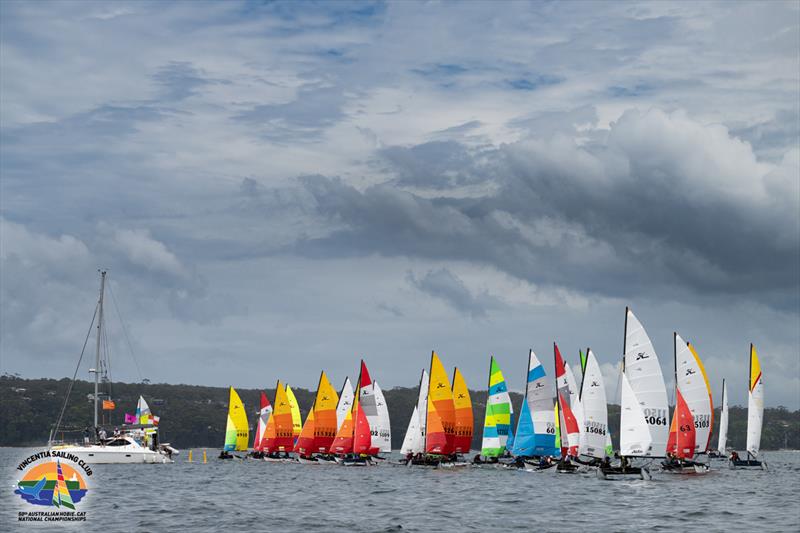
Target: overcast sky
[278, 188]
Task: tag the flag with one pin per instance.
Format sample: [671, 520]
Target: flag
[154, 420]
[108, 405]
[130, 419]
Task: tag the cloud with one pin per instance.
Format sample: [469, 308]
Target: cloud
[448, 287]
[143, 250]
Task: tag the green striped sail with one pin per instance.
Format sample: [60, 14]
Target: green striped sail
[497, 421]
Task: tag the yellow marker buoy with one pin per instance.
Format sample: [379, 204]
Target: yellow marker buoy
[204, 456]
[190, 456]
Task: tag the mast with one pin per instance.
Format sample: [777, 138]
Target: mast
[97, 352]
[427, 401]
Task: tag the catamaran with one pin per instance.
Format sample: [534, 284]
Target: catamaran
[497, 420]
[135, 442]
[237, 430]
[755, 417]
[413, 446]
[534, 440]
[693, 419]
[374, 405]
[592, 398]
[353, 442]
[566, 398]
[317, 434]
[644, 411]
[280, 428]
[259, 440]
[440, 419]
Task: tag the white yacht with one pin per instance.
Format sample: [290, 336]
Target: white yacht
[134, 443]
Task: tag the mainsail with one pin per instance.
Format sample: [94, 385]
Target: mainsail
[570, 431]
[692, 383]
[345, 403]
[595, 409]
[280, 435]
[304, 445]
[297, 421]
[535, 435]
[462, 440]
[441, 410]
[325, 423]
[755, 404]
[378, 422]
[362, 434]
[682, 432]
[643, 373]
[723, 421]
[264, 412]
[237, 431]
[497, 420]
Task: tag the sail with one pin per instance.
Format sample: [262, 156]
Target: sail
[641, 367]
[237, 431]
[305, 441]
[440, 401]
[463, 414]
[755, 404]
[574, 398]
[382, 431]
[498, 413]
[595, 410]
[362, 435]
[723, 421]
[570, 431]
[422, 405]
[609, 445]
[264, 413]
[61, 495]
[583, 362]
[682, 437]
[143, 413]
[557, 418]
[282, 439]
[435, 435]
[378, 421]
[635, 439]
[691, 381]
[325, 423]
[343, 443]
[345, 404]
[412, 442]
[535, 435]
[297, 421]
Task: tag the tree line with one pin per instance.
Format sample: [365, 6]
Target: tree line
[195, 416]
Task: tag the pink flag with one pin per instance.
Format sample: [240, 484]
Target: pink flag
[130, 419]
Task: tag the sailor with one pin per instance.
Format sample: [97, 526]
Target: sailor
[734, 456]
[86, 435]
[102, 435]
[225, 455]
[116, 432]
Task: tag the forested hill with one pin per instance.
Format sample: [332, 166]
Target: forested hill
[195, 416]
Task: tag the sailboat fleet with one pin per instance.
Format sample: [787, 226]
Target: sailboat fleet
[563, 425]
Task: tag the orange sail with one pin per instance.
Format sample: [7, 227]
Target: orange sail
[324, 415]
[305, 441]
[283, 440]
[435, 437]
[441, 410]
[462, 441]
[343, 443]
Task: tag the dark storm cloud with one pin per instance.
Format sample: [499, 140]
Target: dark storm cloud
[663, 203]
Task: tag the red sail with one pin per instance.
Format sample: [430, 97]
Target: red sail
[362, 438]
[435, 439]
[682, 434]
[568, 423]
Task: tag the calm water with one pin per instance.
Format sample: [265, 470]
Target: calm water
[258, 496]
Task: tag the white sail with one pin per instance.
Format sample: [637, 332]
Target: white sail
[345, 402]
[691, 380]
[643, 371]
[634, 435]
[723, 421]
[381, 431]
[594, 410]
[755, 405]
[422, 406]
[539, 398]
[413, 442]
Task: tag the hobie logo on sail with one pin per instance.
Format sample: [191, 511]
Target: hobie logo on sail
[56, 481]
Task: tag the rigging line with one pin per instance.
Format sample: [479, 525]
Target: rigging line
[125, 332]
[74, 375]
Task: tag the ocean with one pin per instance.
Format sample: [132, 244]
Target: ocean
[250, 495]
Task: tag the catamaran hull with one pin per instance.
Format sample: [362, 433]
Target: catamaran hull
[748, 463]
[618, 473]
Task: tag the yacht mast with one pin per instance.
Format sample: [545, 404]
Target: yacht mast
[97, 354]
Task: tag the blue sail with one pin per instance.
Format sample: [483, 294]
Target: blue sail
[536, 429]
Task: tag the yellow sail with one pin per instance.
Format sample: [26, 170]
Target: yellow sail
[463, 414]
[755, 367]
[325, 414]
[237, 430]
[440, 396]
[297, 421]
